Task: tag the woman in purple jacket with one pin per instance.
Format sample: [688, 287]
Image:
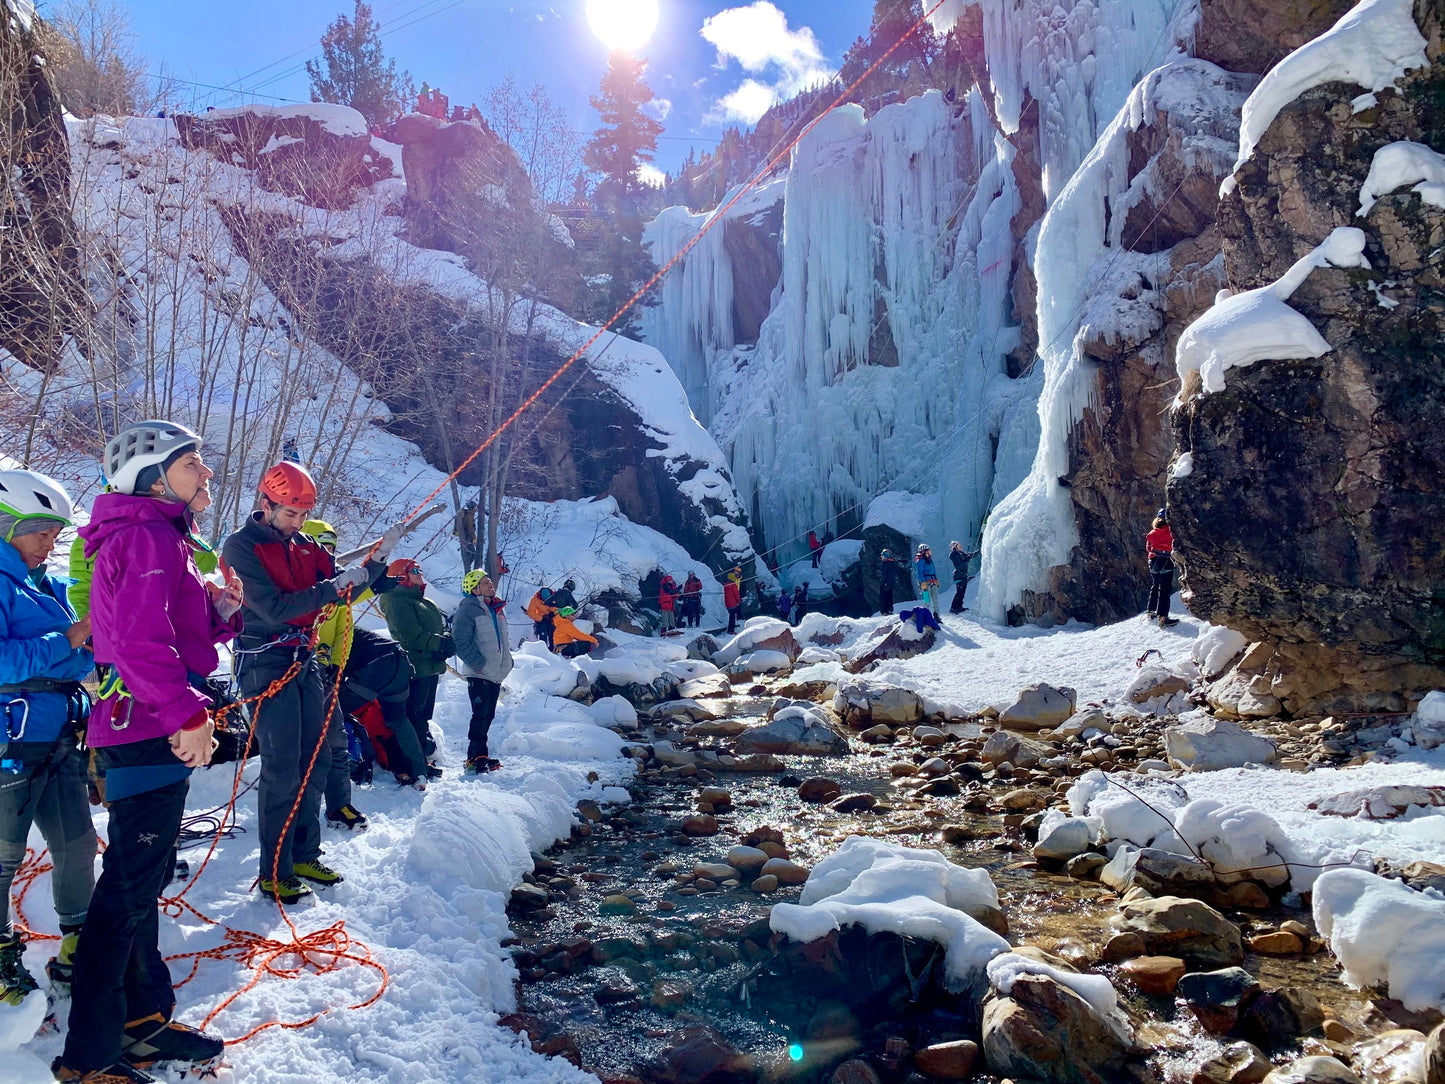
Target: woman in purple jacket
[155, 626]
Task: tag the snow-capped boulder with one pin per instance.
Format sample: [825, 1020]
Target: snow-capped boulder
[1043, 1030]
[1206, 745]
[1330, 556]
[1429, 722]
[759, 634]
[794, 730]
[1384, 934]
[902, 640]
[862, 703]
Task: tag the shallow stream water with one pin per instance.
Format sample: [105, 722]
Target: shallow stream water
[620, 986]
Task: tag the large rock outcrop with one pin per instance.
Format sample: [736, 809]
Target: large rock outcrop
[38, 282]
[1311, 517]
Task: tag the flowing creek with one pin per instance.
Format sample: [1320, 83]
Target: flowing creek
[610, 982]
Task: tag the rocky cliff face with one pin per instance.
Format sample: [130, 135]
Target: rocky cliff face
[37, 270]
[1312, 513]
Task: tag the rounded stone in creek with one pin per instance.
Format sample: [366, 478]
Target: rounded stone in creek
[1122, 946]
[773, 849]
[617, 905]
[854, 803]
[854, 1071]
[1022, 800]
[819, 789]
[1276, 943]
[766, 883]
[700, 824]
[669, 995]
[713, 871]
[747, 859]
[1086, 867]
[1157, 975]
[715, 796]
[947, 1061]
[929, 736]
[1313, 1070]
[788, 873]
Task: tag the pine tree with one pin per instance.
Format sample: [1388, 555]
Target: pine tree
[356, 72]
[626, 140]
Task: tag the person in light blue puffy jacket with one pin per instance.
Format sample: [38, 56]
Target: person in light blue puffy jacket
[927, 578]
[42, 706]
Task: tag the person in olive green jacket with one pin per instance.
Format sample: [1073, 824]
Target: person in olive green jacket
[416, 623]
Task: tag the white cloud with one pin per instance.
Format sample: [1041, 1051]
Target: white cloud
[650, 175]
[661, 108]
[747, 104]
[758, 38]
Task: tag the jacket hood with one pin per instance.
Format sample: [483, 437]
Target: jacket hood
[13, 565]
[113, 512]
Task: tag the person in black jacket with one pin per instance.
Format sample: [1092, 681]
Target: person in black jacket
[958, 557]
[887, 570]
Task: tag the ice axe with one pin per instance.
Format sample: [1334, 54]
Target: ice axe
[361, 551]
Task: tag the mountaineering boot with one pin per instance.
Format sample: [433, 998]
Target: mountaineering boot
[318, 872]
[60, 965]
[287, 890]
[119, 1073]
[433, 771]
[1168, 622]
[406, 779]
[15, 981]
[153, 1039]
[348, 817]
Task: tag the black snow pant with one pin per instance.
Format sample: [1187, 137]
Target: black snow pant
[289, 726]
[421, 701]
[378, 669]
[1161, 586]
[483, 695]
[733, 612]
[119, 974]
[885, 601]
[960, 588]
[338, 774]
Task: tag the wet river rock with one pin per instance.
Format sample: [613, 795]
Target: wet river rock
[1173, 926]
[1044, 1031]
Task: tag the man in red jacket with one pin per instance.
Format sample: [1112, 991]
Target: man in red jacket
[733, 597]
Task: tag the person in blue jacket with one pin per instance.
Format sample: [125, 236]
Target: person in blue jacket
[42, 773]
[927, 578]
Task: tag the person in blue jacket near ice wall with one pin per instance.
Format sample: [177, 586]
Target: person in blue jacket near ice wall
[42, 705]
[927, 578]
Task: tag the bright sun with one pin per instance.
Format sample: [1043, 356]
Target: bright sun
[623, 24]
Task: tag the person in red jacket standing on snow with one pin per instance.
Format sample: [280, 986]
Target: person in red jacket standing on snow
[1159, 550]
[733, 597]
[667, 593]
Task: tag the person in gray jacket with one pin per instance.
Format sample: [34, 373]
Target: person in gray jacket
[479, 630]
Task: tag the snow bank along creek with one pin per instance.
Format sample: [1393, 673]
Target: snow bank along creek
[645, 949]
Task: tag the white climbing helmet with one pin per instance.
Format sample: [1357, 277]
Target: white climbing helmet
[141, 445]
[24, 494]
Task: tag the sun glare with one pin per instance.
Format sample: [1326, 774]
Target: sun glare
[623, 24]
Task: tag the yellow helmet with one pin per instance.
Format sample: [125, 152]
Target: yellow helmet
[318, 530]
[471, 579]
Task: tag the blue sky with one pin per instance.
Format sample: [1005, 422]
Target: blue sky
[466, 46]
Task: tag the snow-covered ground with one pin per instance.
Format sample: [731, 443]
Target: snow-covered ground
[427, 886]
[426, 891]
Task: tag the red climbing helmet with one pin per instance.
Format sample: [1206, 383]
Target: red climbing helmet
[290, 484]
[403, 567]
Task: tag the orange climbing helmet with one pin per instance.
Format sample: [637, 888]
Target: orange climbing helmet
[289, 484]
[403, 567]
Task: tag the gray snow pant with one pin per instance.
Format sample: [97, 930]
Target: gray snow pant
[54, 798]
[288, 727]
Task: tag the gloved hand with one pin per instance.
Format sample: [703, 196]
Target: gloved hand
[356, 577]
[389, 538]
